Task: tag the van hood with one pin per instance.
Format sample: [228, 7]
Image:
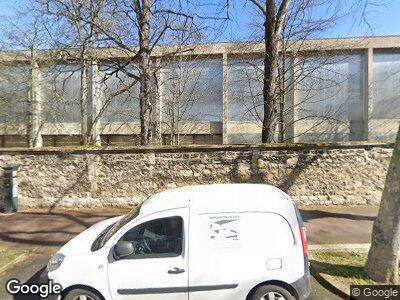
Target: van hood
[83, 242]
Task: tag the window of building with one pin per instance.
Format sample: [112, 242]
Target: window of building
[194, 139]
[192, 90]
[331, 87]
[386, 86]
[14, 141]
[14, 94]
[245, 84]
[120, 140]
[330, 98]
[119, 94]
[61, 140]
[60, 86]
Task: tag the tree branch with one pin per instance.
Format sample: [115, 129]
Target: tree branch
[259, 6]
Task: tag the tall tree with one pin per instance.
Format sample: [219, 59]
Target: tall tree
[285, 25]
[25, 31]
[300, 25]
[143, 16]
[179, 86]
[274, 18]
[76, 36]
[145, 23]
[383, 256]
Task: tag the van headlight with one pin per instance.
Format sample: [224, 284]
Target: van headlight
[55, 262]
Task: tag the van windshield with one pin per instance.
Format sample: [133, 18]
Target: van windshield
[117, 226]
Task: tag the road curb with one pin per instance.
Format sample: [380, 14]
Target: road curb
[16, 260]
[326, 284]
[340, 247]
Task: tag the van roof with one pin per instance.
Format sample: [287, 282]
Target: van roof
[215, 198]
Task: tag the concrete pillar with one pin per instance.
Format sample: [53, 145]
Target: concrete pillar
[367, 88]
[225, 98]
[34, 107]
[95, 103]
[293, 109]
[159, 103]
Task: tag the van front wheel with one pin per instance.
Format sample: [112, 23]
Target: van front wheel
[81, 294]
[272, 292]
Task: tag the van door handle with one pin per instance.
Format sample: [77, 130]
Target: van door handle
[176, 271]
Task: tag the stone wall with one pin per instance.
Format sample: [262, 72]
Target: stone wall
[344, 174]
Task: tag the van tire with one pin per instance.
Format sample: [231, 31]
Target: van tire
[263, 290]
[75, 293]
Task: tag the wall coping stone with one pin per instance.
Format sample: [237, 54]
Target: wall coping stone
[195, 148]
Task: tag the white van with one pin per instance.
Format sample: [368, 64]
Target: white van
[232, 241]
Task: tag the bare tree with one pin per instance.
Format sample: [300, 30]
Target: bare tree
[143, 17]
[182, 96]
[147, 23]
[300, 25]
[274, 16]
[76, 40]
[180, 86]
[383, 256]
[25, 31]
[285, 27]
[296, 68]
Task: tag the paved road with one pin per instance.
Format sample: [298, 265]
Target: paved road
[27, 271]
[318, 292]
[339, 225]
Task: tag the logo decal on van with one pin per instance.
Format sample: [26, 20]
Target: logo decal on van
[224, 230]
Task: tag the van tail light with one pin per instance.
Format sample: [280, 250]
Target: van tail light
[303, 236]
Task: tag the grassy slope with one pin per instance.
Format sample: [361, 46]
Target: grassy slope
[345, 268]
[7, 254]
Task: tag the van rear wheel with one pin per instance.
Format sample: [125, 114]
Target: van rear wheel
[81, 294]
[272, 292]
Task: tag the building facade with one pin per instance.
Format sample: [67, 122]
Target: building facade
[328, 90]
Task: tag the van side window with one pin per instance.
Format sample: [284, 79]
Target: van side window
[156, 238]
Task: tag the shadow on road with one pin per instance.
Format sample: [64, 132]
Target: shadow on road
[319, 214]
[53, 228]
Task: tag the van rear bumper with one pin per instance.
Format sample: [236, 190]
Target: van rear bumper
[302, 286]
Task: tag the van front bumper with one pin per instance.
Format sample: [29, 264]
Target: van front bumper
[44, 278]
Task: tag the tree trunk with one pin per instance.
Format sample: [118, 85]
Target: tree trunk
[34, 121]
[85, 140]
[282, 93]
[281, 116]
[143, 13]
[270, 63]
[383, 257]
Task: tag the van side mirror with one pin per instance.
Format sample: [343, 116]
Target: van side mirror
[122, 249]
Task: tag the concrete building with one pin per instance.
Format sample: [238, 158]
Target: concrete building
[332, 90]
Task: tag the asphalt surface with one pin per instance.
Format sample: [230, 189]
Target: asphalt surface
[27, 271]
[318, 292]
[339, 225]
[46, 231]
